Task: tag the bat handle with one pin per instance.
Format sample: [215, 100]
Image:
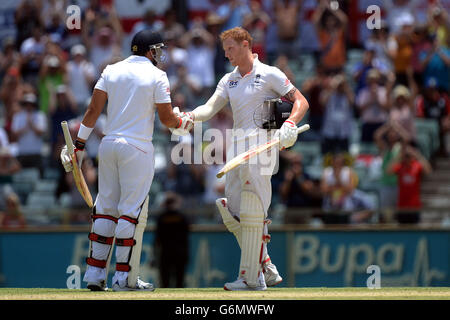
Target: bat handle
[67, 137]
[303, 128]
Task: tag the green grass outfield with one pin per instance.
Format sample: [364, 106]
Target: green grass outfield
[408, 293]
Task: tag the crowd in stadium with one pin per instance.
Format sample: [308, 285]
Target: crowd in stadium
[365, 99]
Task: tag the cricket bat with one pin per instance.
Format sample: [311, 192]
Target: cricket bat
[77, 174]
[244, 157]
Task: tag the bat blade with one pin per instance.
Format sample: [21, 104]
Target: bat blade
[244, 157]
[80, 182]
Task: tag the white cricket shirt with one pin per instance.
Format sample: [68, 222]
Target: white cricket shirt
[133, 86]
[247, 93]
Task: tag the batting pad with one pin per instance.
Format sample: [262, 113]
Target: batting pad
[252, 224]
[129, 234]
[228, 220]
[101, 242]
[135, 258]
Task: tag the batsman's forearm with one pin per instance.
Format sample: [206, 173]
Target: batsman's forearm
[90, 118]
[299, 109]
[209, 109]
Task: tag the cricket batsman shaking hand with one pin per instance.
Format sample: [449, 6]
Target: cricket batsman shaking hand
[134, 89]
[251, 86]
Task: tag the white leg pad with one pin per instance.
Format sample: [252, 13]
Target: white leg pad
[100, 246]
[252, 225]
[229, 220]
[129, 246]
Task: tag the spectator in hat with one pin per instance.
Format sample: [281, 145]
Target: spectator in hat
[52, 74]
[28, 128]
[81, 75]
[398, 11]
[372, 105]
[401, 110]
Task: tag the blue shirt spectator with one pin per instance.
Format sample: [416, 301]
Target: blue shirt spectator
[436, 64]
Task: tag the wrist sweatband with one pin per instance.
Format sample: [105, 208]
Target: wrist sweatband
[84, 132]
[79, 145]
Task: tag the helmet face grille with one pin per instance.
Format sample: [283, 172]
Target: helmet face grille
[158, 52]
[145, 40]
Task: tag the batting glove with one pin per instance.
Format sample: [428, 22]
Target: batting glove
[186, 122]
[288, 134]
[66, 159]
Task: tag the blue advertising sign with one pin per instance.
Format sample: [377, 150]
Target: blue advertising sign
[304, 258]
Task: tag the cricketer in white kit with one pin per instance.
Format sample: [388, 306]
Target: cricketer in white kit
[248, 191]
[134, 89]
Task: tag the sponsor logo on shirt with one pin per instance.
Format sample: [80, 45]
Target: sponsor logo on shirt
[232, 83]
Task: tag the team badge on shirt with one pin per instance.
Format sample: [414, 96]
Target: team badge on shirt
[232, 83]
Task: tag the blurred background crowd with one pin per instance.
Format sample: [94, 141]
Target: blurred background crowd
[377, 151]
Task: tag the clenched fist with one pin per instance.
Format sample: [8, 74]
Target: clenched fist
[288, 134]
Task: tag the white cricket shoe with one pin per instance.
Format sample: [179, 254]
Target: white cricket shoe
[97, 286]
[241, 285]
[140, 286]
[271, 275]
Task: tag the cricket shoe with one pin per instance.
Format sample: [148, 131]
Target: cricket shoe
[241, 285]
[271, 275]
[140, 286]
[97, 286]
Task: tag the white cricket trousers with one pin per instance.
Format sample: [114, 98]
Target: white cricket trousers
[255, 175]
[125, 174]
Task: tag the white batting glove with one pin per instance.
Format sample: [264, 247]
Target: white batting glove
[186, 122]
[66, 159]
[288, 134]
